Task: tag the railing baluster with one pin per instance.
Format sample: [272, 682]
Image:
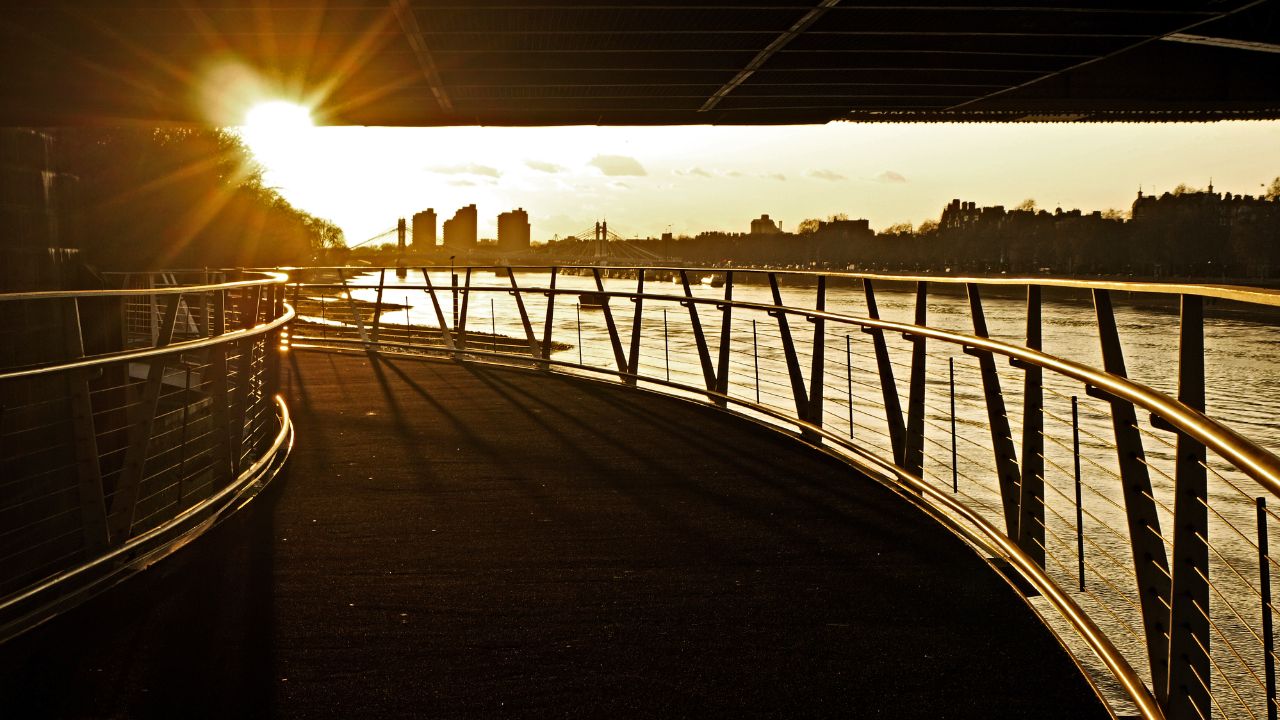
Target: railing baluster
[1075, 449]
[666, 345]
[93, 508]
[817, 370]
[460, 316]
[1189, 636]
[955, 468]
[534, 349]
[578, 308]
[798, 391]
[913, 450]
[551, 310]
[726, 334]
[446, 333]
[1031, 493]
[619, 356]
[1264, 588]
[377, 306]
[633, 359]
[888, 387]
[1151, 565]
[848, 378]
[1006, 457]
[700, 339]
[220, 407]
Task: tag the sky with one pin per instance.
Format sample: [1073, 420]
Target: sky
[648, 180]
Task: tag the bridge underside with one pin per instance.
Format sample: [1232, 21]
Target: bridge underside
[629, 62]
[453, 541]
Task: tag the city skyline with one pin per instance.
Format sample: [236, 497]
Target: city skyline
[685, 180]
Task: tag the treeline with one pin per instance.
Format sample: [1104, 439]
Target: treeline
[1187, 233]
[179, 197]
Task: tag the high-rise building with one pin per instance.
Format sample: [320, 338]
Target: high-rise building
[424, 229]
[513, 231]
[460, 230]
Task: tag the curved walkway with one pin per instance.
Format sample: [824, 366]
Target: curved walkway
[458, 541]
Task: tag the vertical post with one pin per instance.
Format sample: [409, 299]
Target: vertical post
[324, 325]
[1189, 667]
[704, 355]
[955, 467]
[666, 344]
[1264, 587]
[220, 408]
[848, 378]
[460, 316]
[408, 333]
[493, 328]
[913, 453]
[182, 443]
[798, 391]
[888, 388]
[93, 508]
[726, 333]
[1075, 449]
[1150, 562]
[1031, 491]
[551, 309]
[755, 356]
[453, 287]
[578, 308]
[633, 359]
[817, 370]
[377, 306]
[619, 356]
[1006, 457]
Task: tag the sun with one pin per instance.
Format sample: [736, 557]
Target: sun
[277, 116]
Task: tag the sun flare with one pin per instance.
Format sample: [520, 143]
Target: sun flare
[277, 116]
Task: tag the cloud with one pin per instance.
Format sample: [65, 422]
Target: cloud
[830, 175]
[694, 171]
[462, 183]
[545, 167]
[471, 169]
[734, 174]
[618, 185]
[889, 176]
[617, 165]
[775, 176]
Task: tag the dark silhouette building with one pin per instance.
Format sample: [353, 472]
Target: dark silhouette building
[460, 230]
[424, 229]
[764, 226]
[513, 231]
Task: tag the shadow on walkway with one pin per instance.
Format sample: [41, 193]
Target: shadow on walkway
[460, 541]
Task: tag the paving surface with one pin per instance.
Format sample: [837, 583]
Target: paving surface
[454, 541]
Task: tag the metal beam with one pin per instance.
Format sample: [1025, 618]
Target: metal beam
[1006, 457]
[413, 33]
[763, 56]
[1230, 43]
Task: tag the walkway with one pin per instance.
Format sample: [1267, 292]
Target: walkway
[456, 541]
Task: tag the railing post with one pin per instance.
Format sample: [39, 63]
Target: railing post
[1075, 449]
[1031, 518]
[618, 356]
[460, 316]
[493, 327]
[726, 334]
[951, 383]
[1006, 457]
[125, 501]
[666, 345]
[93, 507]
[633, 358]
[1189, 671]
[578, 311]
[1151, 565]
[798, 391]
[355, 311]
[700, 339]
[1264, 588]
[817, 369]
[913, 451]
[888, 387]
[848, 378]
[446, 334]
[534, 349]
[377, 306]
[220, 408]
[547, 328]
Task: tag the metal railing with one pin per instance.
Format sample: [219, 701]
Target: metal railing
[131, 419]
[1132, 521]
